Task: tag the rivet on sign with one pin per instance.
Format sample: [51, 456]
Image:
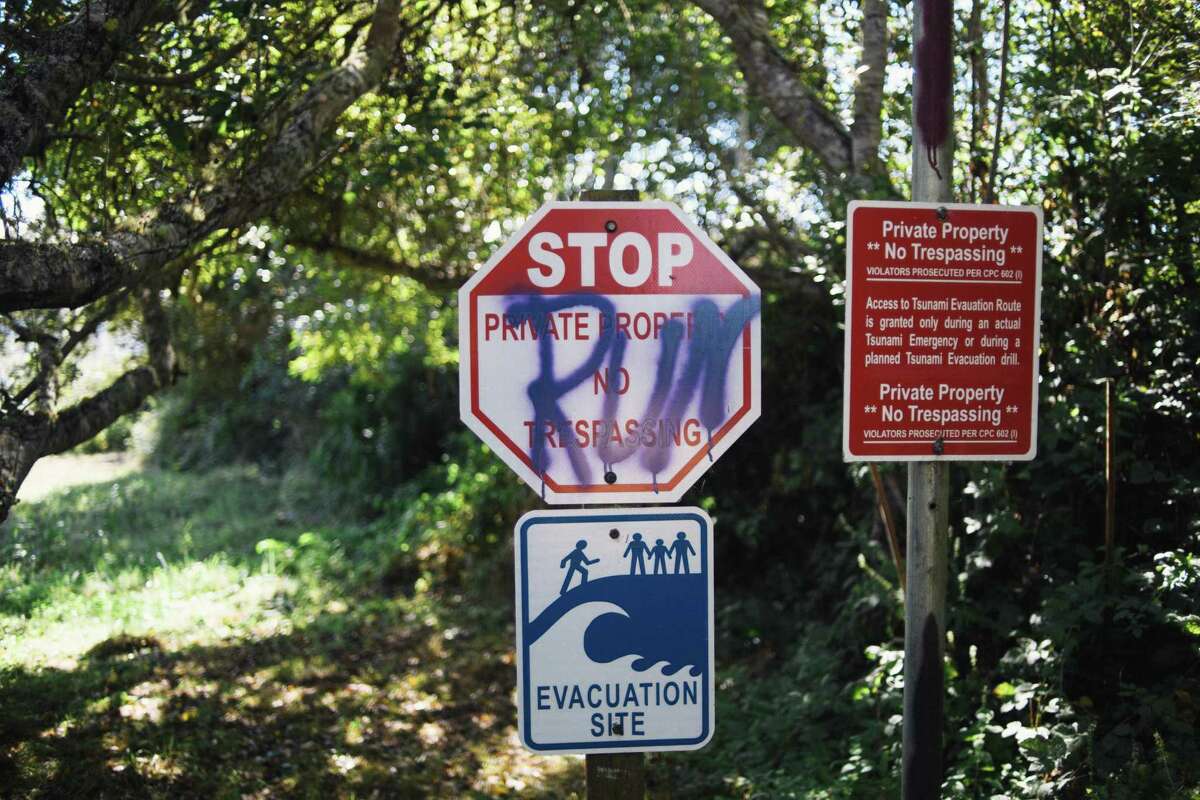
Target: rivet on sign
[942, 213]
[614, 534]
[610, 226]
[618, 729]
[610, 477]
[939, 446]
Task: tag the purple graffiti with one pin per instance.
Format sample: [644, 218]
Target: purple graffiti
[546, 390]
[706, 355]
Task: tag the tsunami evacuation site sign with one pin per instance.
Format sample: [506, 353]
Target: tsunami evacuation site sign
[614, 630]
[942, 330]
[609, 352]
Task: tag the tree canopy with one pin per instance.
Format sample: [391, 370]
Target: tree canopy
[158, 140]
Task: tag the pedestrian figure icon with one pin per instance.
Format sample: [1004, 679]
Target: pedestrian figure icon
[659, 551]
[681, 548]
[638, 550]
[578, 564]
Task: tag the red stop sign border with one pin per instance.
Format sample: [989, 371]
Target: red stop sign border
[853, 448]
[555, 492]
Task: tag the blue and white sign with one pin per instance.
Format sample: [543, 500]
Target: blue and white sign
[614, 630]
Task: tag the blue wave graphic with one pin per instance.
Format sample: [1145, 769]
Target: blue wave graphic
[665, 619]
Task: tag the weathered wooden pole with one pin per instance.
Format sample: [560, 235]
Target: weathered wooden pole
[928, 481]
[615, 776]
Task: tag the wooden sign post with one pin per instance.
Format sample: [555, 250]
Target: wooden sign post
[609, 353]
[615, 776]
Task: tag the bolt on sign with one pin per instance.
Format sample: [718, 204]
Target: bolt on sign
[943, 307]
[609, 352]
[614, 630]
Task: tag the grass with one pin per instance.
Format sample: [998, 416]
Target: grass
[175, 635]
[231, 635]
[226, 635]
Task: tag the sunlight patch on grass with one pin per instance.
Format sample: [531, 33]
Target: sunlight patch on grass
[507, 768]
[189, 636]
[156, 766]
[190, 603]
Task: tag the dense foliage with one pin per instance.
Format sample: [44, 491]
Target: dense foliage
[318, 342]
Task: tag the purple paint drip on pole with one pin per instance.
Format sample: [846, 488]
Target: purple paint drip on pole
[933, 71]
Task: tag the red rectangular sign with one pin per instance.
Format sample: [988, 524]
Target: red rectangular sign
[943, 304]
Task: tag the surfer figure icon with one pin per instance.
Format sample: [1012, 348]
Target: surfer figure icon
[659, 551]
[638, 550]
[579, 562]
[681, 548]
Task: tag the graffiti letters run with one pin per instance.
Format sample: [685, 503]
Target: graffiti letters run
[684, 357]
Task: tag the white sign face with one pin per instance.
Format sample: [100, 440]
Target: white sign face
[609, 352]
[614, 630]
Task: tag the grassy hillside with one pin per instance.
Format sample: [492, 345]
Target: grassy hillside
[171, 635]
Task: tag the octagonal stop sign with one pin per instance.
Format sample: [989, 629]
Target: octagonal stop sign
[609, 352]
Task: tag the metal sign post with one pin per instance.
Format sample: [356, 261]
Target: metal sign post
[928, 482]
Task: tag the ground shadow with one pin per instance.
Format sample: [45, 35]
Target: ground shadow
[377, 701]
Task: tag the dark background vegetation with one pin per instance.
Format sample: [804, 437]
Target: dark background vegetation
[313, 431]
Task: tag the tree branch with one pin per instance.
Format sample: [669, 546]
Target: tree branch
[26, 437]
[356, 258]
[72, 276]
[297, 146]
[977, 168]
[26, 334]
[87, 418]
[989, 192]
[867, 130]
[56, 276]
[60, 64]
[295, 149]
[126, 394]
[77, 336]
[773, 78]
[21, 436]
